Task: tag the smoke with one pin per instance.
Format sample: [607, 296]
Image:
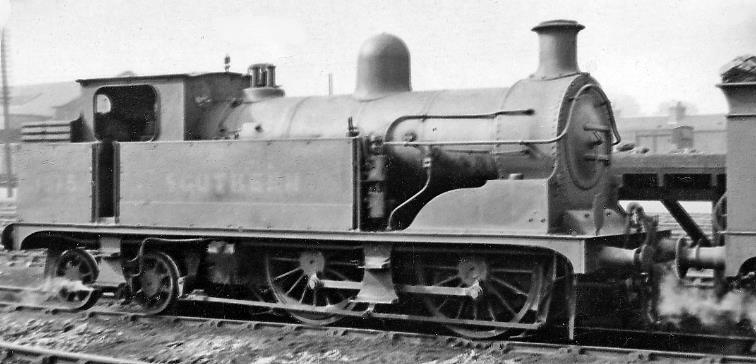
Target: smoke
[678, 302]
[51, 289]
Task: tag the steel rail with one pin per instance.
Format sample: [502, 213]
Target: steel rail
[38, 354]
[501, 346]
[607, 330]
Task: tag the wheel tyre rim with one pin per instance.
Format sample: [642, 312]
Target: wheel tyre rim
[285, 294]
[535, 295]
[76, 265]
[156, 289]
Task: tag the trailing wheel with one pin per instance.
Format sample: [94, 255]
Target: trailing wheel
[511, 289]
[78, 268]
[77, 265]
[296, 279]
[156, 288]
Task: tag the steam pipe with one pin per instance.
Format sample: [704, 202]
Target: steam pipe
[557, 56]
[623, 261]
[619, 259]
[698, 257]
[642, 259]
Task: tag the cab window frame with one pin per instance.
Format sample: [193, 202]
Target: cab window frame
[110, 92]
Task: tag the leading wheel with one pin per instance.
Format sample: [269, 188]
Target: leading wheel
[512, 290]
[157, 287]
[77, 268]
[295, 279]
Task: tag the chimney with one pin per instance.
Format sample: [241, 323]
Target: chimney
[557, 56]
[676, 113]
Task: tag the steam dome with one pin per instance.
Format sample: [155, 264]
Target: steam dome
[383, 67]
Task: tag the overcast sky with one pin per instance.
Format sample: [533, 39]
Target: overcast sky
[653, 51]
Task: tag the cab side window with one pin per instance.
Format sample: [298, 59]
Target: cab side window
[126, 113]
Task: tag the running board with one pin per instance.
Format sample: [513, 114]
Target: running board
[365, 314]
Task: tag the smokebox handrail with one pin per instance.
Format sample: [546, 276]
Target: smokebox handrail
[465, 116]
[590, 86]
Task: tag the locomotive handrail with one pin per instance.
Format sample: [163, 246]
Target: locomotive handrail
[561, 135]
[609, 110]
[454, 116]
[484, 142]
[465, 116]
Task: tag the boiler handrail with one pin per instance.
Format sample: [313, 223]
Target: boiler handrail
[492, 115]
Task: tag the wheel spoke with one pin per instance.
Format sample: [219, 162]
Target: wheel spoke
[501, 299]
[447, 280]
[508, 285]
[337, 274]
[512, 270]
[295, 284]
[304, 292]
[287, 273]
[491, 312]
[461, 306]
[284, 259]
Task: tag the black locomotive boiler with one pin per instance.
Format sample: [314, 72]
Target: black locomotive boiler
[483, 210]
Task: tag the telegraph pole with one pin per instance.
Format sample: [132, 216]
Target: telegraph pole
[6, 111]
[330, 84]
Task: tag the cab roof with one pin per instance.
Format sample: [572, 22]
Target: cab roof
[164, 77]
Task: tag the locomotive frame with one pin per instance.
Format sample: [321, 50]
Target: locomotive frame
[482, 210]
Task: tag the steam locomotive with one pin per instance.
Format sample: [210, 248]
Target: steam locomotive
[488, 211]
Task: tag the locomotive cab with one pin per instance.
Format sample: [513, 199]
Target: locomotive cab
[145, 109]
[159, 108]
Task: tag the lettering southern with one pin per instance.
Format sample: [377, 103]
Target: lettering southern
[233, 183]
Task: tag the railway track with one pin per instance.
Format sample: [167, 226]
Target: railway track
[33, 354]
[499, 347]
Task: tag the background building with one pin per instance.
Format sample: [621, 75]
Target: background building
[677, 131]
[41, 102]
